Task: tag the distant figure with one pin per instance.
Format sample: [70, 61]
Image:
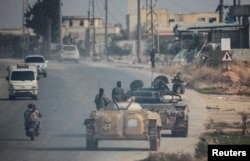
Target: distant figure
[118, 94]
[152, 57]
[101, 100]
[177, 78]
[32, 115]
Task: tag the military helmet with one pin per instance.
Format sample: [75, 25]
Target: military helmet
[119, 83]
[101, 90]
[31, 106]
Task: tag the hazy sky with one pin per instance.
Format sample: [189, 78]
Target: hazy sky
[11, 10]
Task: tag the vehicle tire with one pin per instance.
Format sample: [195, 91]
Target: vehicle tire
[32, 137]
[12, 97]
[179, 90]
[180, 129]
[91, 143]
[154, 142]
[174, 88]
[182, 90]
[34, 97]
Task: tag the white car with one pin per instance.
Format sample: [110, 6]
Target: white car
[39, 61]
[69, 52]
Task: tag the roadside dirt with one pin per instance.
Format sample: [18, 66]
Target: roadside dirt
[226, 108]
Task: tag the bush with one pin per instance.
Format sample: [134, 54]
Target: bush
[168, 157]
[201, 150]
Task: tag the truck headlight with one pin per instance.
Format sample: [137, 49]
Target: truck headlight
[11, 86]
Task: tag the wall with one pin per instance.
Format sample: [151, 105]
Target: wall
[240, 54]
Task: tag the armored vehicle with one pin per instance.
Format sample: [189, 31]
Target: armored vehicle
[123, 121]
[174, 115]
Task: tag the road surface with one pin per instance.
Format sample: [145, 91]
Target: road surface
[65, 99]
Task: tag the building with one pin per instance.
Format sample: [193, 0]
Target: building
[17, 41]
[77, 30]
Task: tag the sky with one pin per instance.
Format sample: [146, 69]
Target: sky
[11, 11]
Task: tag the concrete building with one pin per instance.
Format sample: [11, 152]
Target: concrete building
[164, 22]
[78, 30]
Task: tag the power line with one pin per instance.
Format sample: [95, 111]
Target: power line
[177, 4]
[98, 7]
[115, 6]
[209, 3]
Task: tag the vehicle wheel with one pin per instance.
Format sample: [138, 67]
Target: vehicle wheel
[174, 88]
[178, 90]
[34, 97]
[32, 137]
[181, 129]
[91, 143]
[12, 97]
[182, 90]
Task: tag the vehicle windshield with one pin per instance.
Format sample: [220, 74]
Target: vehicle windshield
[22, 75]
[69, 48]
[34, 60]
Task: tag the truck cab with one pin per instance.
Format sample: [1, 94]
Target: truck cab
[23, 81]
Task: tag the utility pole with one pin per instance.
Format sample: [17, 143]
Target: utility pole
[89, 31]
[221, 10]
[106, 29]
[60, 23]
[25, 36]
[91, 34]
[93, 26]
[151, 22]
[139, 31]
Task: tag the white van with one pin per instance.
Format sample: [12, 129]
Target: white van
[22, 80]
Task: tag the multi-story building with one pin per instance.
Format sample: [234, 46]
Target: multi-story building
[78, 30]
[164, 22]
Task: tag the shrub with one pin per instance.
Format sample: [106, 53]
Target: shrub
[201, 150]
[168, 157]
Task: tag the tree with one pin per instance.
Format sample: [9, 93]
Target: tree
[43, 18]
[114, 49]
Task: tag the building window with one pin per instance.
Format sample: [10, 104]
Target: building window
[70, 23]
[211, 20]
[171, 21]
[201, 19]
[81, 23]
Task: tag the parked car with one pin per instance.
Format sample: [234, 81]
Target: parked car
[39, 61]
[69, 52]
[96, 58]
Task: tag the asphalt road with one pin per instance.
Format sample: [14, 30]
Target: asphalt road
[65, 99]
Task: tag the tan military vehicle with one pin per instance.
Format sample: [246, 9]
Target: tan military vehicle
[174, 115]
[123, 121]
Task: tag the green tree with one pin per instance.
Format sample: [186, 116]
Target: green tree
[43, 18]
[114, 49]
